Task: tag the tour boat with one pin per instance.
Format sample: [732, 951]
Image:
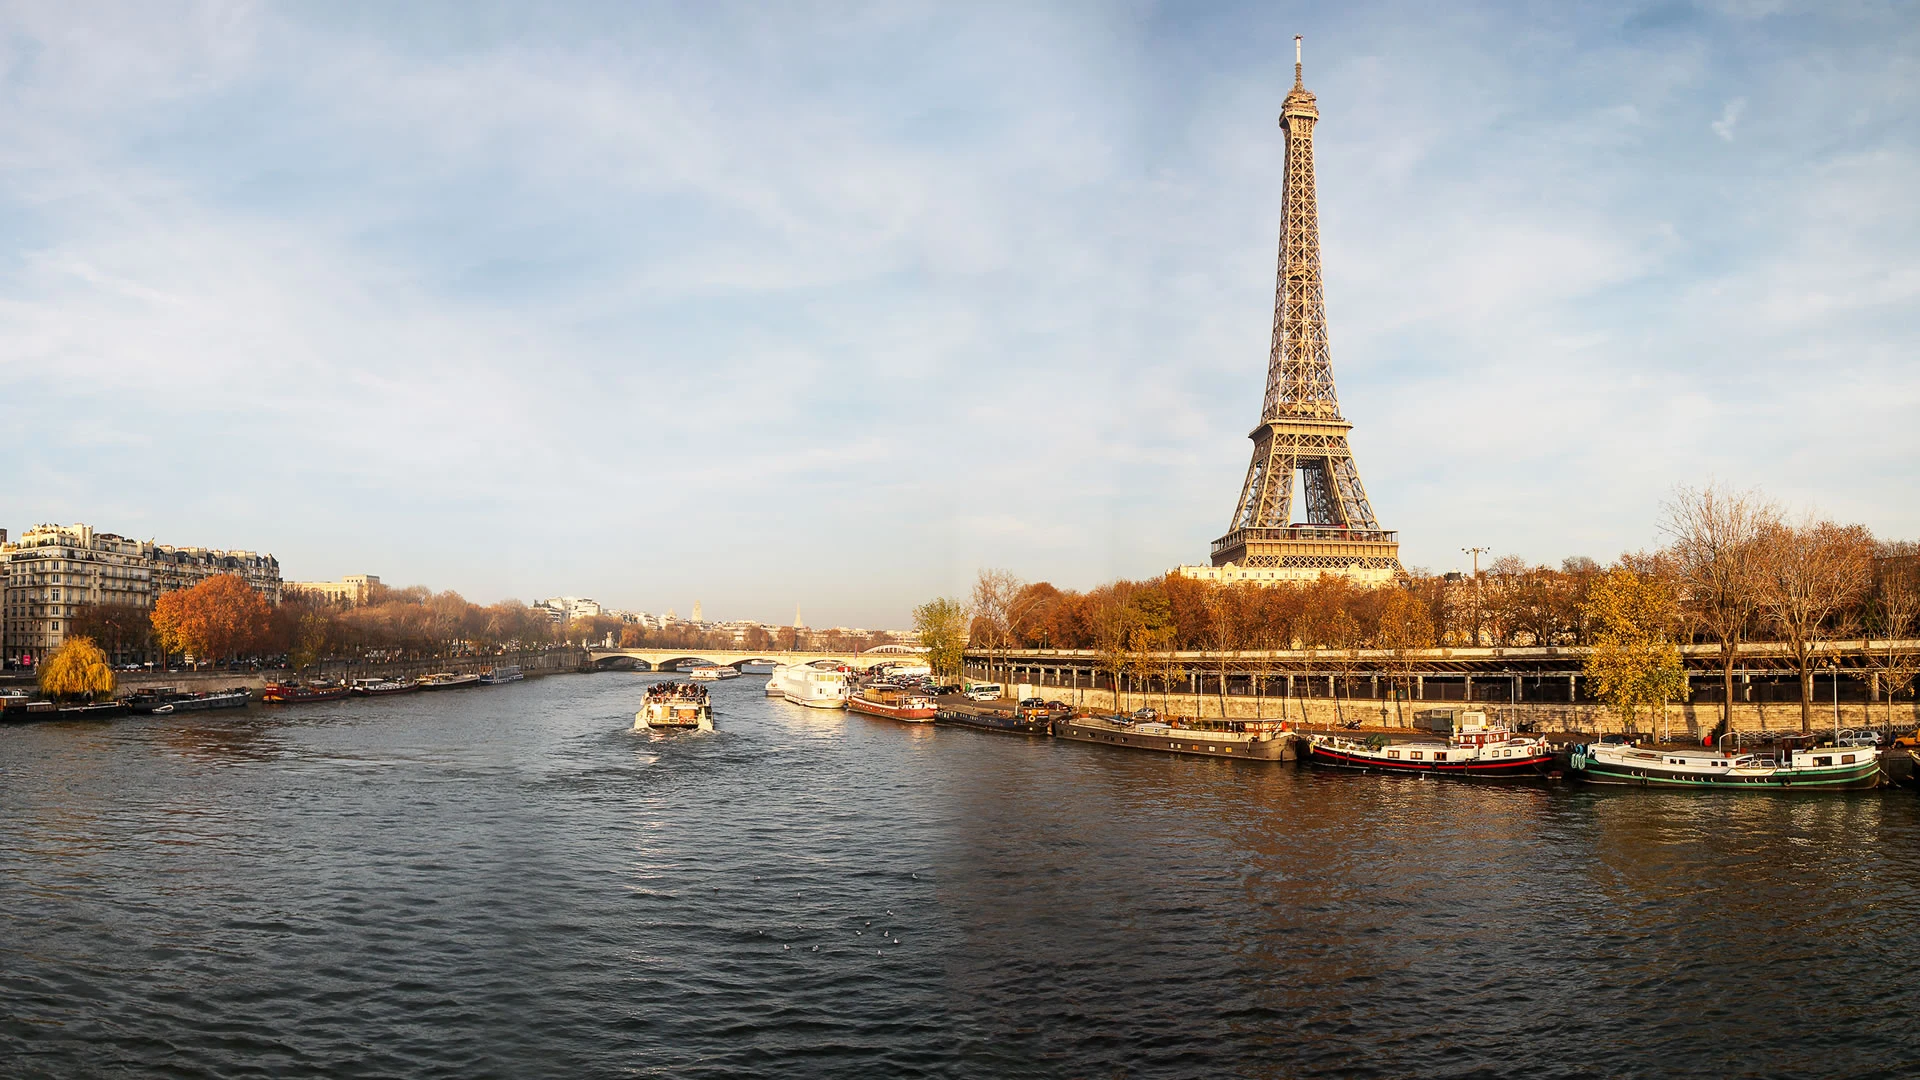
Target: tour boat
[896, 702]
[711, 672]
[501, 673]
[290, 693]
[1256, 740]
[382, 687]
[813, 685]
[447, 680]
[1478, 748]
[1825, 768]
[165, 700]
[675, 705]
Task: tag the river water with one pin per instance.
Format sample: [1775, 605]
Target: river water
[509, 882]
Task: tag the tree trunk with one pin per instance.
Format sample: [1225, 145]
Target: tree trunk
[1806, 698]
[1726, 676]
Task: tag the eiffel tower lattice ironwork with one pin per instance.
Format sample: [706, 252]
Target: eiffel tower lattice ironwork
[1301, 430]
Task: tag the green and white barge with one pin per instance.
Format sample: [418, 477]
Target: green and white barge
[1819, 768]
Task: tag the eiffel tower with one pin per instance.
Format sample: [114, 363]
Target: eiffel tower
[1300, 425]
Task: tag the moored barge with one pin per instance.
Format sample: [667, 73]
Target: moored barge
[294, 693]
[1023, 722]
[163, 700]
[1817, 768]
[1256, 740]
[1478, 748]
[383, 687]
[893, 702]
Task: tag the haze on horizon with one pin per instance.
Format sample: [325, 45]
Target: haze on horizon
[832, 305]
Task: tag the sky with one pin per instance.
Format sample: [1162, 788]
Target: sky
[831, 305]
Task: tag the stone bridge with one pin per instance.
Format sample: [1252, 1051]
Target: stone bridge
[669, 659]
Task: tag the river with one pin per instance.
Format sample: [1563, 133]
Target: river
[509, 882]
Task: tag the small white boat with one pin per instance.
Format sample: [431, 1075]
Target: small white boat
[502, 673]
[447, 680]
[713, 672]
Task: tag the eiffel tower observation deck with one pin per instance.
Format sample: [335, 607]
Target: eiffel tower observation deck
[1301, 431]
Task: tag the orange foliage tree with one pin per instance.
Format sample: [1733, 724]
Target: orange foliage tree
[214, 620]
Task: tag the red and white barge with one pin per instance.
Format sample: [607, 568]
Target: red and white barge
[1477, 748]
[895, 702]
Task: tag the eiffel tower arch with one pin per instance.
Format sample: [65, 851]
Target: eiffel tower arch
[1301, 431]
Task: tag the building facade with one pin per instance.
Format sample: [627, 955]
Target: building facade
[350, 591]
[53, 572]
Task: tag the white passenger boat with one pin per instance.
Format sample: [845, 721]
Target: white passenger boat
[674, 705]
[818, 685]
[713, 672]
[447, 680]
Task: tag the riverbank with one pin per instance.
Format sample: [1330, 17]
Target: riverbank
[1686, 723]
[534, 663]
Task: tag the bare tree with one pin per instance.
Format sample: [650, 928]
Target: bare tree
[994, 617]
[1810, 574]
[1891, 616]
[1717, 535]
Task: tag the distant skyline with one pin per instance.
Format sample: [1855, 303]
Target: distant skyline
[833, 305]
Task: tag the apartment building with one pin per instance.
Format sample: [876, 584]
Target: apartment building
[53, 571]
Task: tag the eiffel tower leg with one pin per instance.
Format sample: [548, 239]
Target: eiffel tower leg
[1266, 498]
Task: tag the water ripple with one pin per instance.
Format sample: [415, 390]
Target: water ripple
[511, 882]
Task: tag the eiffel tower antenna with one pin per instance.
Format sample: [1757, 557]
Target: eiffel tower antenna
[1301, 430]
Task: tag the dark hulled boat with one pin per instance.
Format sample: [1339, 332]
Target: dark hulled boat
[1253, 740]
[1027, 723]
[162, 700]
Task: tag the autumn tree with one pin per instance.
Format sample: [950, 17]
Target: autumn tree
[215, 620]
[1405, 624]
[1716, 554]
[1228, 610]
[1634, 663]
[77, 669]
[1809, 574]
[942, 626]
[1114, 626]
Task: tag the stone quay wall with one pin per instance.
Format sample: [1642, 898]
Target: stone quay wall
[535, 663]
[1682, 722]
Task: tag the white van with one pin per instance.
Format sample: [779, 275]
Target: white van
[984, 691]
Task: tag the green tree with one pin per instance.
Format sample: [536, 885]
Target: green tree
[942, 626]
[77, 669]
[1634, 663]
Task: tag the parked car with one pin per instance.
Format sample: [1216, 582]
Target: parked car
[1147, 713]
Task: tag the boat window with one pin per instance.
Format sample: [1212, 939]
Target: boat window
[1417, 755]
[1846, 759]
[1393, 753]
[1823, 761]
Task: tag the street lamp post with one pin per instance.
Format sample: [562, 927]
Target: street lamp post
[1476, 552]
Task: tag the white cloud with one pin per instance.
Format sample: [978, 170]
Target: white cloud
[1729, 118]
[642, 304]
